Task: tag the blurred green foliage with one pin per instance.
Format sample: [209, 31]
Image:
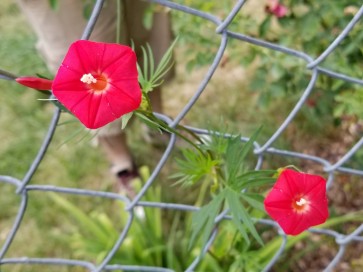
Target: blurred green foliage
[310, 27]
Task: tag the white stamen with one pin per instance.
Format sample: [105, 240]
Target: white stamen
[88, 79]
[301, 202]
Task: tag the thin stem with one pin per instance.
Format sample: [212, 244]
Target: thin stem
[118, 21]
[201, 195]
[164, 126]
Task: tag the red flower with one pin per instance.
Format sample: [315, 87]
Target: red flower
[275, 8]
[35, 83]
[297, 201]
[98, 82]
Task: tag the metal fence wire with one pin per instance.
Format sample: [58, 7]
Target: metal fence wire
[261, 149]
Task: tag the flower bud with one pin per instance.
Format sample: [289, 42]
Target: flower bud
[37, 83]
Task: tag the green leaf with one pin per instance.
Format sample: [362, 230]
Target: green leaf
[258, 173]
[255, 200]
[151, 60]
[57, 104]
[81, 217]
[194, 167]
[255, 182]
[234, 161]
[249, 145]
[87, 9]
[203, 220]
[153, 122]
[42, 76]
[149, 121]
[166, 61]
[74, 134]
[239, 215]
[235, 207]
[147, 18]
[265, 26]
[235, 156]
[215, 142]
[125, 119]
[53, 4]
[149, 76]
[253, 179]
[146, 63]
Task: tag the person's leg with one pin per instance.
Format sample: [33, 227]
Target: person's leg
[159, 37]
[160, 40]
[113, 143]
[57, 28]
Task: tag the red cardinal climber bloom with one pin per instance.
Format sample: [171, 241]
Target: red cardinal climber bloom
[297, 201]
[98, 82]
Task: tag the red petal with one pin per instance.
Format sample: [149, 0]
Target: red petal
[122, 68]
[293, 224]
[35, 83]
[82, 57]
[278, 204]
[280, 11]
[315, 187]
[293, 182]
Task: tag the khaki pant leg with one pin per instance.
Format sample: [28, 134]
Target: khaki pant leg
[57, 28]
[159, 37]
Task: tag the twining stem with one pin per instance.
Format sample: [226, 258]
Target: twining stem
[201, 195]
[165, 127]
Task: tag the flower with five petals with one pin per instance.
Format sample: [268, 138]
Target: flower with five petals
[98, 82]
[297, 201]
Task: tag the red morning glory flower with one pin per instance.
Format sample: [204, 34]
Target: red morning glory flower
[98, 82]
[297, 201]
[275, 8]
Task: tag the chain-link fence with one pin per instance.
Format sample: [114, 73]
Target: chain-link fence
[331, 168]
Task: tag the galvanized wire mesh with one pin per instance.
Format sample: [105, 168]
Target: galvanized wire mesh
[331, 168]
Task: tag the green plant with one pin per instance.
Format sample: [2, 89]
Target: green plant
[277, 78]
[222, 165]
[152, 240]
